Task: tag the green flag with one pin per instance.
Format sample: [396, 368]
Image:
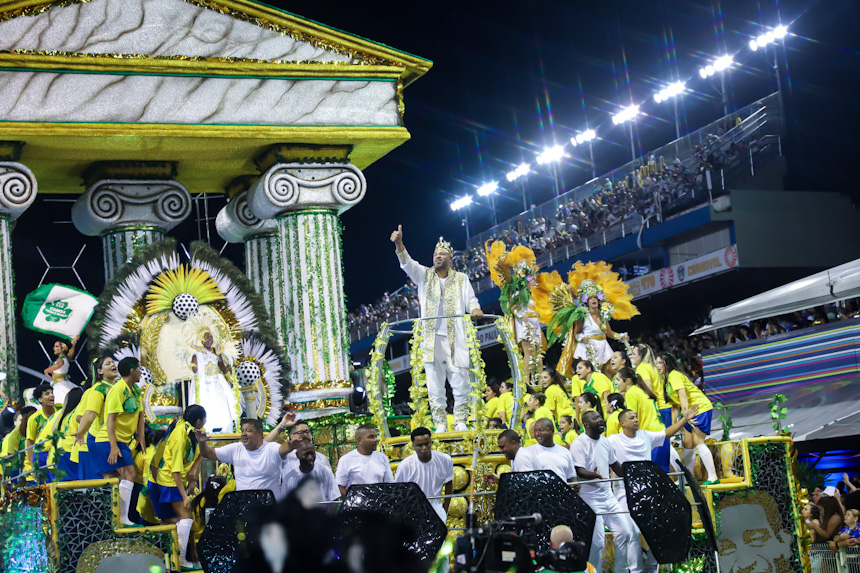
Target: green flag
[58, 309]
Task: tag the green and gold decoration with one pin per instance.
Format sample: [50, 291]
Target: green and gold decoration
[152, 304]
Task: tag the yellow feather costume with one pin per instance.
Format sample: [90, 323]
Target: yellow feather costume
[561, 304]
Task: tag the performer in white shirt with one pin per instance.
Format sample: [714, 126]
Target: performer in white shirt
[443, 291]
[299, 433]
[509, 445]
[256, 463]
[593, 455]
[363, 464]
[547, 455]
[633, 444]
[432, 471]
[306, 455]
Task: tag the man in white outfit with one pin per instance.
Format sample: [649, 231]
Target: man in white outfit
[432, 471]
[443, 291]
[547, 455]
[363, 464]
[633, 444]
[290, 477]
[593, 455]
[509, 445]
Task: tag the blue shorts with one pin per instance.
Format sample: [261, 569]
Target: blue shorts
[701, 421]
[161, 497]
[41, 461]
[666, 414]
[65, 464]
[660, 455]
[85, 461]
[99, 453]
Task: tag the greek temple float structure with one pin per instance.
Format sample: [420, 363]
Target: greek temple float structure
[139, 105]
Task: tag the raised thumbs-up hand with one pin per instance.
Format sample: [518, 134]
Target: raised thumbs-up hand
[397, 237]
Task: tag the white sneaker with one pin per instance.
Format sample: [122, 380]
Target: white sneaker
[461, 427]
[185, 564]
[126, 521]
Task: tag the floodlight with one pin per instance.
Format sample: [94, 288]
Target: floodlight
[780, 31]
[461, 202]
[487, 188]
[550, 154]
[520, 171]
[753, 45]
[626, 114]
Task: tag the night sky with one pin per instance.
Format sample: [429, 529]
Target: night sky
[510, 78]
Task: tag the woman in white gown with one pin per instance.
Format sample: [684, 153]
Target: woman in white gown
[212, 388]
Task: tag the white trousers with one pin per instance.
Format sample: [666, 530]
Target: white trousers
[647, 564]
[442, 367]
[622, 532]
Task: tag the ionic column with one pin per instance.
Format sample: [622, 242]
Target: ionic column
[129, 214]
[17, 192]
[305, 199]
[263, 262]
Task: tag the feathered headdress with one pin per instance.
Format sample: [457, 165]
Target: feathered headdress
[514, 272]
[561, 304]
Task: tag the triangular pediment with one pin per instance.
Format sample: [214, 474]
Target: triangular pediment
[235, 30]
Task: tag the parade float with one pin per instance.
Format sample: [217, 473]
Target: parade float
[94, 115]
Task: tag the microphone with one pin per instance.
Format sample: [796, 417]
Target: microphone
[521, 520]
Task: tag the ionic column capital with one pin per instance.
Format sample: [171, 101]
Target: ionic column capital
[236, 223]
[114, 204]
[293, 186]
[17, 188]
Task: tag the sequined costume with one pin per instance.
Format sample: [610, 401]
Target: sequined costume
[444, 344]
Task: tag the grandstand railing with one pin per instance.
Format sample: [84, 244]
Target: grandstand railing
[761, 123]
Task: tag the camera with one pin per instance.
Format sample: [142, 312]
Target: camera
[569, 557]
[503, 546]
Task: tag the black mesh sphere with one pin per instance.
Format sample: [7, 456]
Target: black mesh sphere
[247, 372]
[146, 376]
[185, 305]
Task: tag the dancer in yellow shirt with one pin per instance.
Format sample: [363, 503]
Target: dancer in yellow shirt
[168, 492]
[594, 382]
[616, 404]
[491, 395]
[557, 398]
[125, 418]
[681, 393]
[92, 415]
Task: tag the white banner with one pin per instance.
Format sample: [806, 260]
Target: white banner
[688, 271]
[59, 310]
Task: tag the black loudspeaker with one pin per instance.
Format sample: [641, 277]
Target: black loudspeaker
[660, 509]
[228, 528]
[404, 503]
[523, 493]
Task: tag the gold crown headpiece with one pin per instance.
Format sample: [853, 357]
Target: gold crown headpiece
[201, 332]
[444, 246]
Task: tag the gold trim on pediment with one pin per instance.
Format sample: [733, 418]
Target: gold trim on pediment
[129, 64]
[209, 157]
[367, 52]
